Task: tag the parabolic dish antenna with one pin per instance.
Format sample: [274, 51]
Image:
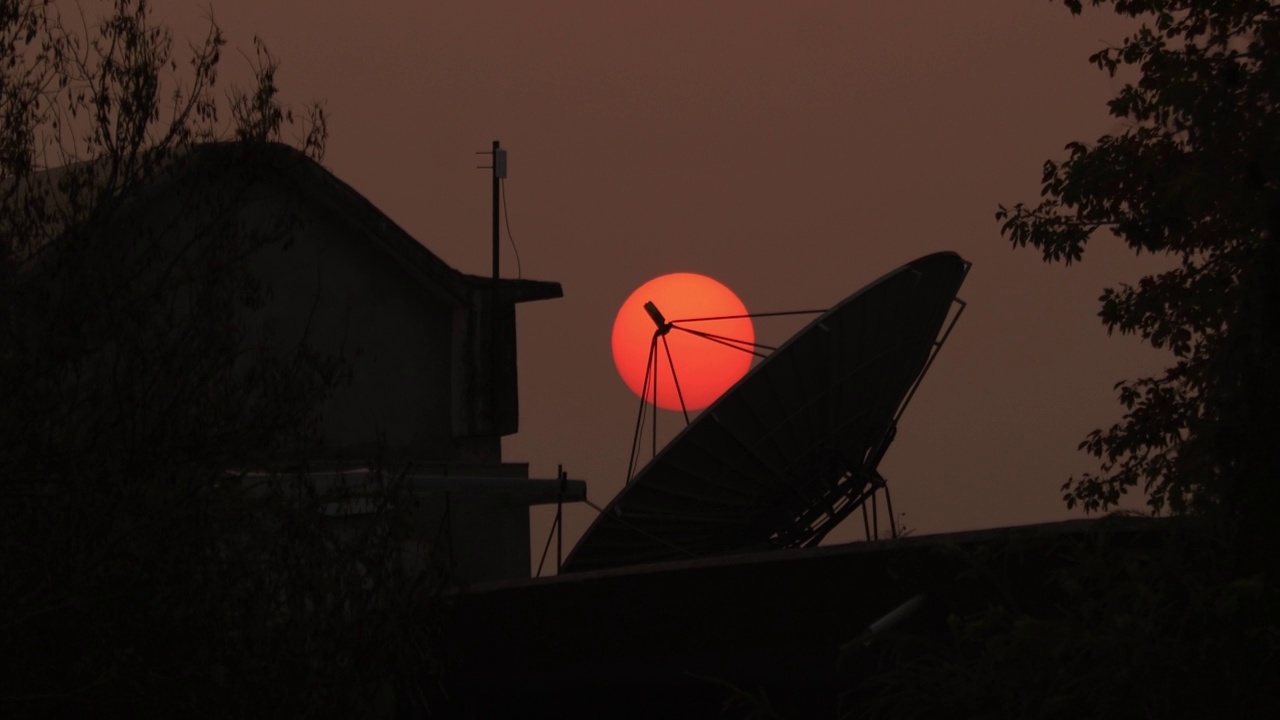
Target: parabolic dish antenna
[790, 450]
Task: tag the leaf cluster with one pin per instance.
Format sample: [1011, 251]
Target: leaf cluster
[1184, 623]
[1163, 630]
[1194, 177]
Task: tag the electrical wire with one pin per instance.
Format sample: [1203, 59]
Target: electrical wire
[727, 342]
[735, 342]
[506, 217]
[751, 315]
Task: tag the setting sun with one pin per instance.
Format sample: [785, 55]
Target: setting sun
[704, 367]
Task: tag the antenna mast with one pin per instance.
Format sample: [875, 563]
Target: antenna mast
[499, 174]
[499, 168]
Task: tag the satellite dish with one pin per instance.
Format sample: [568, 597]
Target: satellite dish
[790, 450]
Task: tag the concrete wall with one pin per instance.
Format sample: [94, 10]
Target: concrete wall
[425, 380]
[347, 296]
[423, 371]
[471, 520]
[484, 535]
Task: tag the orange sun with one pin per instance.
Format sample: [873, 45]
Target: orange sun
[704, 367]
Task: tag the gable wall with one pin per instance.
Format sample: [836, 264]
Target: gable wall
[344, 293]
[423, 377]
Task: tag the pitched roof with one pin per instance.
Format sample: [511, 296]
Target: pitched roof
[314, 181]
[376, 227]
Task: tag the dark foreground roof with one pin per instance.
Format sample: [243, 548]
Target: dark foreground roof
[654, 640]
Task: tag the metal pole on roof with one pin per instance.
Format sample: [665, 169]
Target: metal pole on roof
[499, 171]
[499, 167]
[564, 481]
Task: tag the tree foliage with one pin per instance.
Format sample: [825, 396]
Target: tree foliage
[155, 560]
[1194, 176]
[1183, 621]
[1155, 629]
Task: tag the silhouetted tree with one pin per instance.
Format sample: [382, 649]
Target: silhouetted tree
[1184, 624]
[1156, 629]
[1194, 176]
[144, 570]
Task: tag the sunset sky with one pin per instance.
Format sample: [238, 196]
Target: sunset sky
[793, 151]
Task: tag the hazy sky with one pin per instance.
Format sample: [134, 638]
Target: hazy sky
[792, 150]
